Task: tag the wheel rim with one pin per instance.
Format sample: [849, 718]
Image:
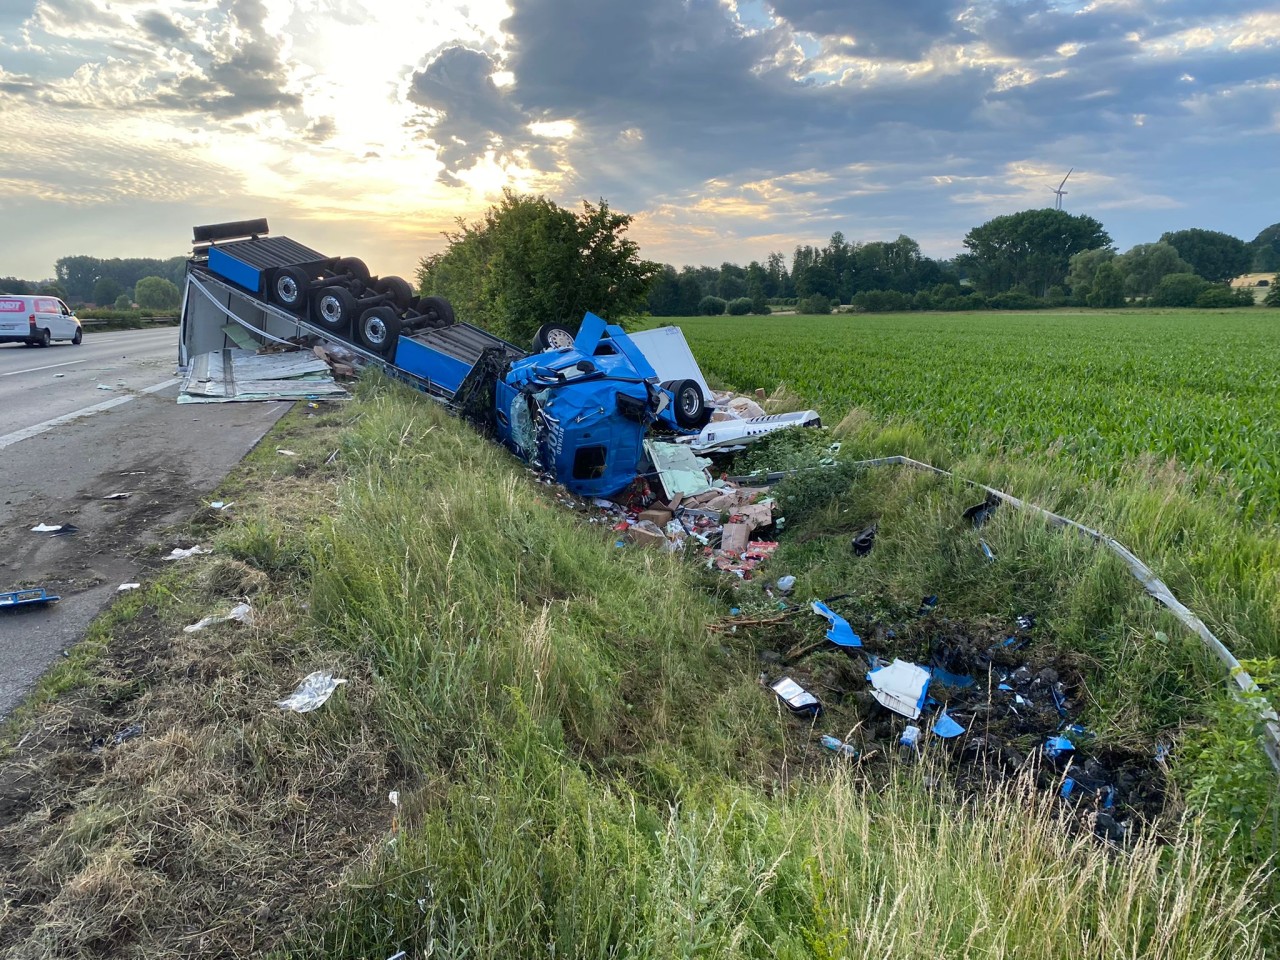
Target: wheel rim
[375, 331]
[560, 339]
[331, 309]
[287, 289]
[689, 403]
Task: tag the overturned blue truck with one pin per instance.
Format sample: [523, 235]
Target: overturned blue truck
[579, 405]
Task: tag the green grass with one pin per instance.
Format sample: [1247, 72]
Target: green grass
[1090, 392]
[585, 768]
[592, 774]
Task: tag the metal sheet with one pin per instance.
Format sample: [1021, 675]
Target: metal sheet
[227, 376]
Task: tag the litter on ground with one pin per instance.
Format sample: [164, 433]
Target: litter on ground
[311, 693]
[241, 613]
[182, 553]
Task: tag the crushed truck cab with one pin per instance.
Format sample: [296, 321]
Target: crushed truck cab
[582, 413]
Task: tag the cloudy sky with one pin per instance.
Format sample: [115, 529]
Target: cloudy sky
[728, 129]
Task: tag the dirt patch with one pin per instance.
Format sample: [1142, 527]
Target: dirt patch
[1016, 701]
[168, 807]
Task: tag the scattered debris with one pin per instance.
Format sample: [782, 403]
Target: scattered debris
[241, 613]
[286, 453]
[103, 386]
[944, 726]
[181, 553]
[979, 513]
[125, 587]
[221, 505]
[32, 595]
[840, 633]
[864, 540]
[901, 686]
[840, 747]
[986, 551]
[797, 698]
[117, 738]
[311, 693]
[910, 738]
[118, 496]
[55, 529]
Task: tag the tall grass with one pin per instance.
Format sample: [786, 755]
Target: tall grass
[589, 773]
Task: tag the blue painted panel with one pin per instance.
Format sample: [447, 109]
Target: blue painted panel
[225, 265]
[441, 369]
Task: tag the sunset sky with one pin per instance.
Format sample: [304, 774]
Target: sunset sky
[727, 129]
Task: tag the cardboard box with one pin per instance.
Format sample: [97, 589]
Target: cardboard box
[657, 515]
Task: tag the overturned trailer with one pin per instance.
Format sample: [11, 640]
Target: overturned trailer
[579, 405]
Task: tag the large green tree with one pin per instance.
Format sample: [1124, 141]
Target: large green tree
[1030, 249]
[156, 293]
[77, 275]
[1145, 265]
[1266, 249]
[1083, 271]
[530, 262]
[1213, 255]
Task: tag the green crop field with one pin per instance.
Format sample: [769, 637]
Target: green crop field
[1095, 390]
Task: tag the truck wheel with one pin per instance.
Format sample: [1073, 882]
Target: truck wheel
[334, 309]
[289, 288]
[438, 310]
[397, 288]
[552, 336]
[691, 410]
[379, 329]
[354, 266]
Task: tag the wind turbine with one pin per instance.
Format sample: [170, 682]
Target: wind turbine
[1060, 192]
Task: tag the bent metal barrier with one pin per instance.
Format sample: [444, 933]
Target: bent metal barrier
[1154, 586]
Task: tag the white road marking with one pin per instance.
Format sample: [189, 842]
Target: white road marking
[47, 366]
[11, 438]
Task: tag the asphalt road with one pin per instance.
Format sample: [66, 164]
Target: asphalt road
[65, 445]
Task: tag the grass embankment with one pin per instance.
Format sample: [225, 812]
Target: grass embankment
[1153, 426]
[584, 770]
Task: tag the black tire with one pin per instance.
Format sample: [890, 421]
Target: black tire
[691, 410]
[354, 266]
[398, 289]
[379, 330]
[552, 336]
[75, 341]
[334, 308]
[290, 287]
[438, 310]
[45, 338]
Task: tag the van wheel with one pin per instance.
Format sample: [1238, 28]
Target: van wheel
[75, 341]
[45, 338]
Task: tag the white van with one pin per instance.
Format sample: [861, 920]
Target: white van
[36, 320]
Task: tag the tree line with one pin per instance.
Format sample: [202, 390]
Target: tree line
[1025, 260]
[150, 282]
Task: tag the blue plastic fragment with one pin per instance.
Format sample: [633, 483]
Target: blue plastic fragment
[986, 551]
[1077, 728]
[1056, 746]
[945, 727]
[840, 633]
[839, 746]
[734, 611]
[1059, 701]
[949, 679]
[1067, 786]
[1005, 686]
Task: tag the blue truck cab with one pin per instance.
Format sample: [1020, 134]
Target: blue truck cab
[582, 413]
